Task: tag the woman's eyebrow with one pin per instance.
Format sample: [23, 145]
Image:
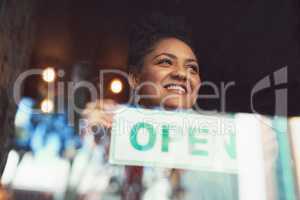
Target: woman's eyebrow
[166, 54]
[191, 60]
[175, 57]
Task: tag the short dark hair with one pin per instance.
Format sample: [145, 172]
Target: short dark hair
[149, 30]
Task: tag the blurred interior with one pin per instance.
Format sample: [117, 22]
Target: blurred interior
[241, 42]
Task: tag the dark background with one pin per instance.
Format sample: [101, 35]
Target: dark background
[241, 41]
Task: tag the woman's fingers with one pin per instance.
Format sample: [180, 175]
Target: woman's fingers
[99, 115]
[109, 105]
[95, 127]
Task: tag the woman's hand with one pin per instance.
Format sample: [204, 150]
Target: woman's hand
[99, 114]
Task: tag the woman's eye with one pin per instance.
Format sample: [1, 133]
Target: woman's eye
[165, 62]
[194, 68]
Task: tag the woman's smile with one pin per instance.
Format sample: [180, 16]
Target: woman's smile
[177, 88]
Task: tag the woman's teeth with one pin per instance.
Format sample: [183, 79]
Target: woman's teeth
[179, 89]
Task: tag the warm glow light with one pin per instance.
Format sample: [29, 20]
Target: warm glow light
[116, 86]
[47, 106]
[49, 74]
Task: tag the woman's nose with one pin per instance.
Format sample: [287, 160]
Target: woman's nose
[180, 73]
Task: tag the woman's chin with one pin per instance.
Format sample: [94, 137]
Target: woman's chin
[174, 104]
[169, 104]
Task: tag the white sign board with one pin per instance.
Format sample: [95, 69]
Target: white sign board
[174, 139]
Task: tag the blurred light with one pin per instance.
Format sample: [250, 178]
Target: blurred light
[33, 169]
[24, 112]
[47, 106]
[116, 86]
[10, 168]
[49, 74]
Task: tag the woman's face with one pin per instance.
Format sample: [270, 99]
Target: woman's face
[169, 77]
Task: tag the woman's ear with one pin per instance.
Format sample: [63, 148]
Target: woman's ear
[133, 80]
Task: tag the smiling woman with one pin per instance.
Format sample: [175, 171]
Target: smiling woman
[162, 64]
[163, 72]
[170, 74]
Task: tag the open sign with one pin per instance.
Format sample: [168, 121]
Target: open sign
[174, 139]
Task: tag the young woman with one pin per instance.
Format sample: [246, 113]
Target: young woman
[163, 72]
